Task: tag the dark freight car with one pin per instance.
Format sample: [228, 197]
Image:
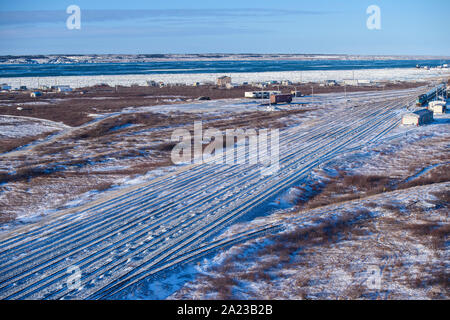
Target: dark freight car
[280, 98]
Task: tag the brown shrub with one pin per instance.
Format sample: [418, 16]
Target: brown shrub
[10, 144]
[436, 175]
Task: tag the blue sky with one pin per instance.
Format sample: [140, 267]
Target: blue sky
[414, 27]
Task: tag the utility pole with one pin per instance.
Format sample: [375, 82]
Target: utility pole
[270, 104]
[345, 91]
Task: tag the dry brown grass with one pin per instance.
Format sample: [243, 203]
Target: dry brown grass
[137, 149]
[10, 144]
[302, 261]
[345, 188]
[6, 217]
[286, 250]
[435, 175]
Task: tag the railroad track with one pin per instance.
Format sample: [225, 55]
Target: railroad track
[121, 241]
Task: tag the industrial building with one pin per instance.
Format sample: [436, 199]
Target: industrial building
[222, 81]
[418, 118]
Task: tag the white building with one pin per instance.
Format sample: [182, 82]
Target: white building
[437, 106]
[260, 94]
[63, 89]
[418, 118]
[350, 82]
[363, 82]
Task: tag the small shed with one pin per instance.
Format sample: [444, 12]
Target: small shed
[437, 106]
[418, 118]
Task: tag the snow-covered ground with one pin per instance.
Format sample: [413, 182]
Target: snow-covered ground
[295, 76]
[202, 198]
[19, 127]
[375, 255]
[408, 264]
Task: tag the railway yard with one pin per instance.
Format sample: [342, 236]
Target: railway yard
[142, 216]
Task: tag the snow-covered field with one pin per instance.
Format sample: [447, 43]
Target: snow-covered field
[18, 127]
[374, 255]
[129, 235]
[388, 235]
[295, 76]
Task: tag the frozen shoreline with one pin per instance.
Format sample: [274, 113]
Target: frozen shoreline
[295, 76]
